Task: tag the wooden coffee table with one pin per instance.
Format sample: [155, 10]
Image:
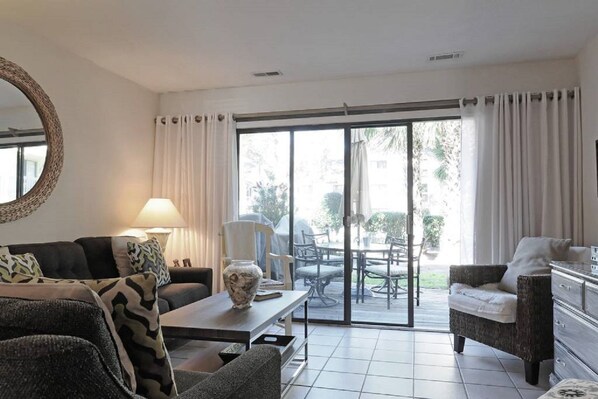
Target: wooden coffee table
[214, 319]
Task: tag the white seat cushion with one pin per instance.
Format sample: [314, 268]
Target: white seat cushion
[485, 301]
[382, 270]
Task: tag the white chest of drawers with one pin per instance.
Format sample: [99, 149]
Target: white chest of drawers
[575, 295]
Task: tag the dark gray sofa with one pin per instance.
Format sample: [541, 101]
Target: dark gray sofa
[92, 258]
[44, 356]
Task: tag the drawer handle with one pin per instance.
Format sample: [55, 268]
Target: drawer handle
[567, 287]
[559, 361]
[559, 323]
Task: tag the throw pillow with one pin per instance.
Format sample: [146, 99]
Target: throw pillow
[4, 251]
[121, 255]
[147, 257]
[132, 302]
[75, 292]
[23, 264]
[532, 256]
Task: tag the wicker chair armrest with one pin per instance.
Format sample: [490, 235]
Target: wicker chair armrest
[534, 315]
[476, 275]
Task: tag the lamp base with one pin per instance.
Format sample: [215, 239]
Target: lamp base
[159, 234]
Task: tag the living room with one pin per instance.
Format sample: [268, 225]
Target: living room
[397, 140]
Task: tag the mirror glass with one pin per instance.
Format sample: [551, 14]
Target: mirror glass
[23, 146]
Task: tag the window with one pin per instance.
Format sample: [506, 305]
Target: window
[20, 167]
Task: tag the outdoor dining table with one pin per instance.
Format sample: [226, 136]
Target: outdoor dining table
[359, 252]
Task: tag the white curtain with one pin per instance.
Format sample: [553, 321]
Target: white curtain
[195, 165]
[521, 173]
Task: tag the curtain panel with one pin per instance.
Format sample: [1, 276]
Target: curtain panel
[521, 173]
[195, 165]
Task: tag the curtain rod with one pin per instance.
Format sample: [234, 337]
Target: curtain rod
[534, 96]
[175, 119]
[347, 110]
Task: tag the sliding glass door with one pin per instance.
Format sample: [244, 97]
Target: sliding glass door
[369, 213]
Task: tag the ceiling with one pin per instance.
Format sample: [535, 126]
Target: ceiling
[198, 44]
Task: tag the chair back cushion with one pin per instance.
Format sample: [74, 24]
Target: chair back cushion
[61, 259]
[24, 317]
[56, 367]
[532, 256]
[98, 251]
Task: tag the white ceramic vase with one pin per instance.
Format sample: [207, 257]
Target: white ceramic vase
[242, 279]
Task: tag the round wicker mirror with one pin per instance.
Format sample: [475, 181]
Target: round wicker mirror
[36, 147]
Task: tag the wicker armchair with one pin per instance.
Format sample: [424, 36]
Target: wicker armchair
[529, 338]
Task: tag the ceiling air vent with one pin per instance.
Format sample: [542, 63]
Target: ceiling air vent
[446, 56]
[266, 74]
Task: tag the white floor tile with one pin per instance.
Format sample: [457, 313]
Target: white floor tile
[441, 349]
[329, 330]
[365, 395]
[344, 381]
[353, 353]
[486, 377]
[396, 335]
[486, 392]
[388, 386]
[347, 365]
[432, 338]
[513, 365]
[321, 393]
[438, 390]
[392, 356]
[363, 333]
[403, 346]
[432, 359]
[320, 350]
[358, 342]
[386, 369]
[327, 340]
[530, 393]
[480, 363]
[307, 377]
[478, 350]
[297, 392]
[316, 362]
[437, 373]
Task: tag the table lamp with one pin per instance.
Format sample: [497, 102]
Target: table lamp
[158, 216]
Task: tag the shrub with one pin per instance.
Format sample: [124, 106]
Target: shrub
[394, 224]
[433, 226]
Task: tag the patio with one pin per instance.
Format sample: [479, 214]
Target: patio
[432, 314]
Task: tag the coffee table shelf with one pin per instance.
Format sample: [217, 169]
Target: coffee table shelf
[214, 319]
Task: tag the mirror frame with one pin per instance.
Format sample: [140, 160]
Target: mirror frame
[30, 201]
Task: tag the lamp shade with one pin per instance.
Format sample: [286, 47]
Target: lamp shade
[159, 212]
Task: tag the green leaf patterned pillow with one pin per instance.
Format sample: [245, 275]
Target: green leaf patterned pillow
[133, 304]
[23, 264]
[147, 257]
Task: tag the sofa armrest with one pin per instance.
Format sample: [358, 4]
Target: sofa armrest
[201, 275]
[534, 316]
[255, 374]
[476, 275]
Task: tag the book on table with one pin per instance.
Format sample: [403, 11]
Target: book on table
[263, 295]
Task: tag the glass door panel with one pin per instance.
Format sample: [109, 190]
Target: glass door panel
[264, 189]
[380, 210]
[318, 214]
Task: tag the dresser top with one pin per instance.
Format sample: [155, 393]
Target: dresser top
[578, 269]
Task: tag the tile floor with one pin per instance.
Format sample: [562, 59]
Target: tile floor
[364, 363]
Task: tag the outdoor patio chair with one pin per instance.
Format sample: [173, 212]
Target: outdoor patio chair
[316, 272]
[394, 268]
[319, 238]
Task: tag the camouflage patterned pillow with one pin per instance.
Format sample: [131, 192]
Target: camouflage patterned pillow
[23, 264]
[147, 257]
[132, 303]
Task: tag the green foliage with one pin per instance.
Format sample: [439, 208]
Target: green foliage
[394, 224]
[271, 200]
[330, 215]
[433, 226]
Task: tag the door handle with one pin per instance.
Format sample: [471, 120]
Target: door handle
[559, 324]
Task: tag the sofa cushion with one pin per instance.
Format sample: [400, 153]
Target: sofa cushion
[57, 259]
[485, 301]
[98, 252]
[182, 294]
[148, 257]
[133, 304]
[532, 256]
[120, 252]
[163, 306]
[24, 264]
[4, 251]
[50, 322]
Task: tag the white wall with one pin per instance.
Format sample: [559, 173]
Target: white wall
[108, 133]
[404, 87]
[588, 72]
